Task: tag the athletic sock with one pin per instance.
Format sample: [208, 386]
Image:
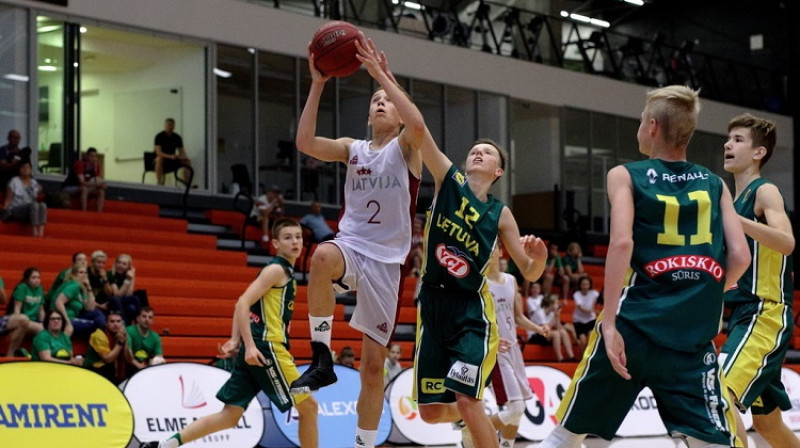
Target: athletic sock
[321, 329]
[365, 439]
[172, 442]
[506, 443]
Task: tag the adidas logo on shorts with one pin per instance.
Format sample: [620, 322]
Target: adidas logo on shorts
[325, 326]
[383, 328]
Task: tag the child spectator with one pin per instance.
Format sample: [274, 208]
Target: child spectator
[122, 280]
[347, 357]
[76, 302]
[28, 300]
[54, 344]
[554, 273]
[268, 206]
[77, 258]
[86, 178]
[533, 302]
[548, 315]
[392, 366]
[106, 352]
[583, 316]
[21, 202]
[144, 345]
[573, 264]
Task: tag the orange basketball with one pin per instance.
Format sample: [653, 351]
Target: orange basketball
[334, 48]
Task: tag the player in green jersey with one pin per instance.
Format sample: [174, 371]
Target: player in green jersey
[675, 244]
[761, 322]
[261, 322]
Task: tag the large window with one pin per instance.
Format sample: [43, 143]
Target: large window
[235, 74]
[14, 76]
[277, 122]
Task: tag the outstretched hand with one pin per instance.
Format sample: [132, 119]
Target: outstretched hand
[373, 60]
[534, 247]
[316, 75]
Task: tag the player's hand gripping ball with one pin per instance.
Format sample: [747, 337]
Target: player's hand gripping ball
[334, 48]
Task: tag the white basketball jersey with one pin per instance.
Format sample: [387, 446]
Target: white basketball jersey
[380, 197]
[504, 295]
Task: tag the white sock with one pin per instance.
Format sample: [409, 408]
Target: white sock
[169, 443]
[365, 439]
[560, 437]
[506, 443]
[321, 329]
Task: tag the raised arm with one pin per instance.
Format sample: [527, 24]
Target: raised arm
[618, 261]
[306, 140]
[737, 259]
[776, 233]
[528, 252]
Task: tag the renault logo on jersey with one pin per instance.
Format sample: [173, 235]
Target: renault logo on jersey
[652, 176]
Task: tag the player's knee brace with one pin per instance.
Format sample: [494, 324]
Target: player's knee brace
[512, 413]
[691, 442]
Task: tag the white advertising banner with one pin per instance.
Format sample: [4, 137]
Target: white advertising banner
[791, 380]
[643, 418]
[548, 386]
[168, 397]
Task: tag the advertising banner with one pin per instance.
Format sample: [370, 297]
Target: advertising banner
[337, 414]
[548, 386]
[51, 404]
[168, 397]
[791, 380]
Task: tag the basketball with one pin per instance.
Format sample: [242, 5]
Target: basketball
[334, 48]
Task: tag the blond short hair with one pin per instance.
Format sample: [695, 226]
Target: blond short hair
[675, 108]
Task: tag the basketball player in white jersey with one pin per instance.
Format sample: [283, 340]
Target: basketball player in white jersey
[374, 231]
[509, 380]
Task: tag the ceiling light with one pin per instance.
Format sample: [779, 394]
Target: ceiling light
[16, 77]
[83, 29]
[48, 28]
[410, 5]
[635, 2]
[222, 73]
[586, 19]
[47, 68]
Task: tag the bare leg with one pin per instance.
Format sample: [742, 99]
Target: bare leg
[18, 324]
[772, 428]
[567, 343]
[101, 196]
[473, 414]
[370, 399]
[557, 345]
[307, 430]
[160, 170]
[439, 413]
[84, 197]
[228, 417]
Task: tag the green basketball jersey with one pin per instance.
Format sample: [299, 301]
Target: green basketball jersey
[270, 315]
[460, 235]
[674, 289]
[770, 274]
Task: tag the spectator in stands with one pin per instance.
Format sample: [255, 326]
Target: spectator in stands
[76, 302]
[347, 357]
[583, 316]
[77, 258]
[10, 157]
[392, 366]
[22, 203]
[548, 314]
[15, 324]
[28, 300]
[98, 279]
[554, 273]
[144, 344]
[170, 153]
[85, 177]
[122, 280]
[534, 301]
[267, 206]
[417, 238]
[573, 264]
[54, 344]
[320, 230]
[106, 352]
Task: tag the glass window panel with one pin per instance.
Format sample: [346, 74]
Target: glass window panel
[460, 130]
[14, 76]
[235, 110]
[130, 83]
[628, 150]
[277, 121]
[428, 97]
[706, 149]
[576, 159]
[50, 70]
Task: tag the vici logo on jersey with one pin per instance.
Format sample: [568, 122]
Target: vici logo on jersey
[453, 260]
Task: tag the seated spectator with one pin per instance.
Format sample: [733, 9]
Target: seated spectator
[54, 344]
[10, 157]
[554, 273]
[534, 301]
[22, 202]
[347, 357]
[76, 302]
[266, 207]
[122, 280]
[144, 345]
[28, 300]
[106, 352]
[170, 153]
[548, 315]
[98, 279]
[392, 366]
[86, 178]
[583, 316]
[316, 222]
[77, 258]
[573, 264]
[417, 239]
[14, 324]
